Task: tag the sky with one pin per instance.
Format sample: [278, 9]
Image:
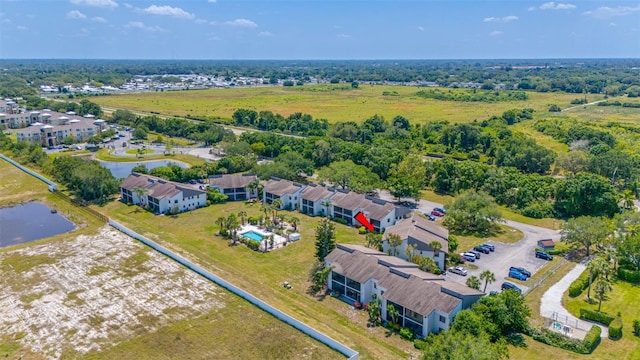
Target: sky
[328, 29]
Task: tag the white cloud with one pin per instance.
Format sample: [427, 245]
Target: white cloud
[96, 3]
[141, 26]
[343, 36]
[501, 19]
[201, 21]
[495, 33]
[166, 10]
[20, 27]
[76, 15]
[265, 34]
[127, 5]
[420, 28]
[213, 1]
[241, 23]
[531, 8]
[559, 6]
[606, 12]
[612, 24]
[99, 19]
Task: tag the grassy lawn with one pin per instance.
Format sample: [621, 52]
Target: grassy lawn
[623, 299]
[193, 234]
[506, 235]
[336, 103]
[135, 151]
[104, 155]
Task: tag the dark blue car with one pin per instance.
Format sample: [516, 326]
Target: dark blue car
[517, 275]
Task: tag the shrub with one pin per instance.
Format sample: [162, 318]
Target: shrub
[597, 316]
[615, 329]
[340, 221]
[575, 289]
[362, 230]
[558, 340]
[592, 339]
[253, 245]
[252, 220]
[406, 334]
[628, 275]
[636, 327]
[419, 344]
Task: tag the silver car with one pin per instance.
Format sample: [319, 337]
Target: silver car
[458, 270]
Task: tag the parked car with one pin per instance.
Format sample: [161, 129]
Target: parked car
[440, 210]
[469, 257]
[482, 249]
[544, 255]
[437, 213]
[524, 271]
[517, 275]
[489, 246]
[430, 217]
[458, 270]
[476, 254]
[510, 286]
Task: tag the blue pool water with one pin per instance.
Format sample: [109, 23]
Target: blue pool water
[252, 235]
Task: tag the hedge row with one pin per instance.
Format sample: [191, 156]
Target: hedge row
[615, 329]
[629, 275]
[586, 346]
[592, 339]
[580, 284]
[597, 316]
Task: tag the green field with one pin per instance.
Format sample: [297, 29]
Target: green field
[335, 103]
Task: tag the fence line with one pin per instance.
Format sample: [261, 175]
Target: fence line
[78, 204]
[52, 186]
[308, 330]
[544, 276]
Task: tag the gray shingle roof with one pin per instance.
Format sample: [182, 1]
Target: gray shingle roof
[421, 232]
[314, 192]
[157, 187]
[228, 181]
[281, 187]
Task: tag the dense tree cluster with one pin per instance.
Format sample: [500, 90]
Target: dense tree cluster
[296, 123]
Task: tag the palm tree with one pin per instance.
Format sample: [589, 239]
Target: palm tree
[294, 222]
[221, 221]
[141, 193]
[488, 278]
[276, 204]
[393, 314]
[436, 246]
[254, 186]
[611, 254]
[627, 200]
[601, 288]
[242, 214]
[473, 282]
[394, 242]
[427, 264]
[374, 240]
[410, 252]
[327, 205]
[598, 267]
[266, 208]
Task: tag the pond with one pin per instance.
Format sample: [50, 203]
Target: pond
[121, 170]
[31, 221]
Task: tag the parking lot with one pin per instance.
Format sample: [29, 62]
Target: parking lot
[520, 254]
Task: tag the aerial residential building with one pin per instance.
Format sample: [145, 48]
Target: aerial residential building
[235, 186]
[425, 302]
[50, 128]
[287, 191]
[160, 195]
[316, 200]
[420, 232]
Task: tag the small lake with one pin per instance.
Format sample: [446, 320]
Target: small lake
[121, 170]
[31, 221]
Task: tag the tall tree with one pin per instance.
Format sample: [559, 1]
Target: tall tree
[601, 288]
[488, 278]
[394, 241]
[585, 231]
[473, 282]
[472, 212]
[348, 175]
[325, 239]
[408, 177]
[374, 240]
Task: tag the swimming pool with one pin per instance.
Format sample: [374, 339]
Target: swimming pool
[253, 235]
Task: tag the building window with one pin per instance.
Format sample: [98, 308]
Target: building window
[443, 319]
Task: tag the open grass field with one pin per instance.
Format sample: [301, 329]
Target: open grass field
[104, 155]
[193, 235]
[336, 103]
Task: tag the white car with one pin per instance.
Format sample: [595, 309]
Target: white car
[458, 270]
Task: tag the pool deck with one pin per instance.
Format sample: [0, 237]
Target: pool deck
[278, 241]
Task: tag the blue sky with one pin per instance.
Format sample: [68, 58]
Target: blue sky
[330, 29]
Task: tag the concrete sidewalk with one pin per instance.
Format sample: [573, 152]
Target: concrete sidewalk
[551, 301]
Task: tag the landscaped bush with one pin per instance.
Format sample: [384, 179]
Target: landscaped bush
[406, 334]
[560, 249]
[419, 344]
[253, 245]
[615, 329]
[629, 275]
[592, 339]
[362, 230]
[636, 327]
[340, 221]
[252, 220]
[560, 341]
[575, 289]
[597, 316]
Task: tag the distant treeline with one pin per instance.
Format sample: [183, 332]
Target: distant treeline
[474, 95]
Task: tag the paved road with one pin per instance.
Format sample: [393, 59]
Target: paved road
[581, 105]
[551, 302]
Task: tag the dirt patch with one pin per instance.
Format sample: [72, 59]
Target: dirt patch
[89, 292]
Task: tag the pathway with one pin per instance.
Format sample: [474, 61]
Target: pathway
[551, 301]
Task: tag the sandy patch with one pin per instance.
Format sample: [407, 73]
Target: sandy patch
[94, 291]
